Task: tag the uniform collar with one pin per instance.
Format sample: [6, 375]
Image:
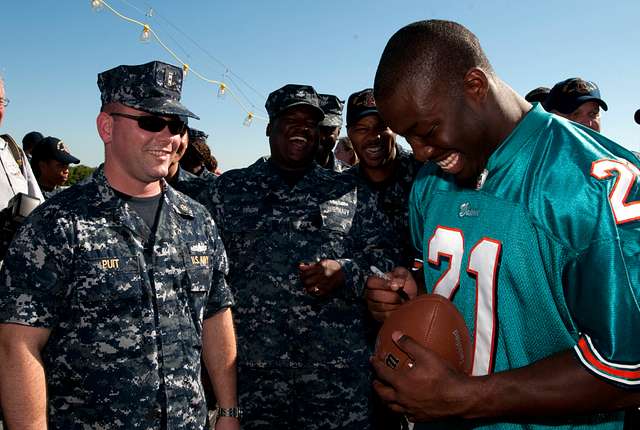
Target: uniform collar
[272, 176]
[108, 198]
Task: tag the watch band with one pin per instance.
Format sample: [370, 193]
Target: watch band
[234, 412]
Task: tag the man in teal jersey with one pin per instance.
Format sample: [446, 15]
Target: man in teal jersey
[530, 224]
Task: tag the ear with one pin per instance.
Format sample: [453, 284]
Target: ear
[476, 85]
[104, 123]
[268, 130]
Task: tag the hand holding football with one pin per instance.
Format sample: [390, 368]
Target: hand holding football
[435, 323]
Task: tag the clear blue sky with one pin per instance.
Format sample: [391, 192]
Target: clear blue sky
[51, 52]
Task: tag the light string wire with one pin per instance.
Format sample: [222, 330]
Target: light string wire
[222, 86]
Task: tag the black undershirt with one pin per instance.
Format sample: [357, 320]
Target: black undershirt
[148, 208]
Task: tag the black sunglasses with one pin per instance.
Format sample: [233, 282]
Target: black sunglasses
[155, 123]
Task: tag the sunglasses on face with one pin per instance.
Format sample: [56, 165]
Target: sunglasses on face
[156, 124]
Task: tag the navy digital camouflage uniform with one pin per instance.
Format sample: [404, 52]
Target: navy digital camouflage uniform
[48, 194]
[206, 175]
[153, 87]
[393, 199]
[126, 316]
[190, 184]
[332, 107]
[302, 361]
[336, 165]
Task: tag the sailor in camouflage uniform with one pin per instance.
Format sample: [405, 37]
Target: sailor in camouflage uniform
[329, 130]
[113, 287]
[386, 167]
[50, 164]
[388, 170]
[181, 179]
[300, 240]
[198, 158]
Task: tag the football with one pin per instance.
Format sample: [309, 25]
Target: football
[434, 322]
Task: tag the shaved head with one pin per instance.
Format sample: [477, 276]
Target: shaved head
[429, 54]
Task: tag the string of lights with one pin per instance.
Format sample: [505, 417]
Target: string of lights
[146, 35]
[228, 74]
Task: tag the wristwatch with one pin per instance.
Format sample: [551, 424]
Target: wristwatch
[234, 412]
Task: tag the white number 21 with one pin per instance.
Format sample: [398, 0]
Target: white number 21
[623, 211]
[483, 264]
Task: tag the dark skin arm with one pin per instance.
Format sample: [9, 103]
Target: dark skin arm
[555, 386]
[322, 278]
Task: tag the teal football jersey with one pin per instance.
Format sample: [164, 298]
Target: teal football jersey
[542, 258]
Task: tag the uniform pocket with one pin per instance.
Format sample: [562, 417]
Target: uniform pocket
[110, 278]
[337, 216]
[110, 300]
[337, 221]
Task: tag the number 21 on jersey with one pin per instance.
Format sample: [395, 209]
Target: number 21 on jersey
[482, 263]
[627, 175]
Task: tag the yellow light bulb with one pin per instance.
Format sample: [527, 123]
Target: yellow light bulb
[96, 5]
[248, 120]
[222, 90]
[145, 36]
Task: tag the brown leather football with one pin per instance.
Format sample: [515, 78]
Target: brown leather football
[434, 322]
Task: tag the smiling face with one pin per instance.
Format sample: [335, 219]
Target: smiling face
[441, 128]
[135, 158]
[373, 141]
[293, 137]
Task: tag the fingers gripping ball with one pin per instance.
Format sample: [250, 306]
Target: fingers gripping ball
[435, 323]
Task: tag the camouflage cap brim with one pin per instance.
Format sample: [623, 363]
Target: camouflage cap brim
[331, 121]
[161, 106]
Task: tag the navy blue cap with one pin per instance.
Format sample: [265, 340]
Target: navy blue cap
[292, 95]
[52, 148]
[31, 139]
[359, 105]
[195, 134]
[567, 96]
[153, 87]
